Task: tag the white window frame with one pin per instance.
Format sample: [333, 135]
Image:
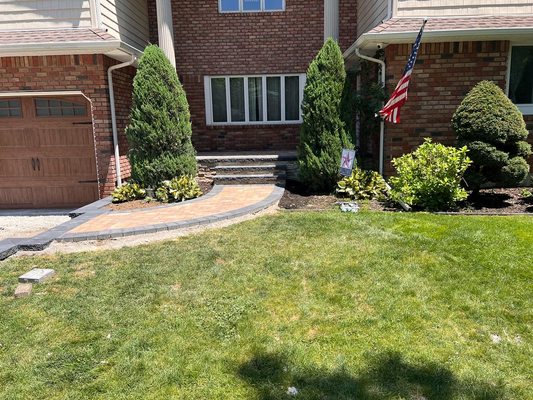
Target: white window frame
[525, 109]
[242, 10]
[209, 100]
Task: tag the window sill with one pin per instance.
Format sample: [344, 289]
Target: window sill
[253, 124]
[525, 109]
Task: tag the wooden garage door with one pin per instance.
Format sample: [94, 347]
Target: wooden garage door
[46, 153]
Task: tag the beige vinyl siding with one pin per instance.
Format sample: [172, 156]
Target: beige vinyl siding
[127, 21]
[370, 13]
[439, 8]
[41, 14]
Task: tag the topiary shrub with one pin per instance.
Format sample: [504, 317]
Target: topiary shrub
[430, 177]
[362, 185]
[494, 131]
[159, 133]
[178, 189]
[322, 136]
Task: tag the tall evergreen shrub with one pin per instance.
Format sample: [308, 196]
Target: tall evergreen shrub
[323, 135]
[494, 131]
[159, 133]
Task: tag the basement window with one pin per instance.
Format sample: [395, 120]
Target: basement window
[521, 78]
[253, 100]
[10, 108]
[228, 6]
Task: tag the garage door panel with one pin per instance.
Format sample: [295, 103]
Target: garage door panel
[16, 197]
[16, 138]
[47, 161]
[69, 167]
[17, 168]
[62, 136]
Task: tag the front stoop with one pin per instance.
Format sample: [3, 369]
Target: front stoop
[248, 168]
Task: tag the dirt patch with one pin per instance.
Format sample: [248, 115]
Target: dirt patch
[504, 201]
[205, 185]
[297, 197]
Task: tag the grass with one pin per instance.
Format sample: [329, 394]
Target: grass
[341, 306]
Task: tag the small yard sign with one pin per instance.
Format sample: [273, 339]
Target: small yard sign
[347, 160]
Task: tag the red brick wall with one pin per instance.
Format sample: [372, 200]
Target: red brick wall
[85, 73]
[443, 75]
[211, 43]
[347, 23]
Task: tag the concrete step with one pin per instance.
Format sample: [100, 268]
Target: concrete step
[211, 159]
[251, 169]
[243, 179]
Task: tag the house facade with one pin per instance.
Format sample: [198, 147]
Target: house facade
[465, 41]
[67, 67]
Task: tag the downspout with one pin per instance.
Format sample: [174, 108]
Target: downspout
[382, 123]
[114, 115]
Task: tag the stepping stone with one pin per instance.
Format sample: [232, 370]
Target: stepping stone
[23, 290]
[37, 275]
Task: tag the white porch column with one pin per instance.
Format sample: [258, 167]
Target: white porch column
[331, 19]
[165, 28]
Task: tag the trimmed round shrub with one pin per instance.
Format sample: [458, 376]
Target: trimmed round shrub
[430, 177]
[322, 136]
[159, 133]
[494, 131]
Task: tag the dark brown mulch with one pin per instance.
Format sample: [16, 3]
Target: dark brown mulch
[498, 201]
[205, 185]
[489, 201]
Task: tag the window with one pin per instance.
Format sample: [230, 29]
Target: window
[254, 100]
[251, 5]
[10, 108]
[58, 108]
[521, 78]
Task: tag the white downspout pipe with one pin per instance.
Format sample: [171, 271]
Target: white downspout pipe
[114, 115]
[382, 123]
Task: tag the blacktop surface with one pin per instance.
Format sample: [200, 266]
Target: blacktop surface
[97, 222]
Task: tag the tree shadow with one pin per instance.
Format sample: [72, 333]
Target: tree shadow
[387, 376]
[490, 200]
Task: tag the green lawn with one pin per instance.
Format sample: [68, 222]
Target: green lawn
[340, 306]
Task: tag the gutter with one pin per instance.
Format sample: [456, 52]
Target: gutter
[382, 122]
[118, 171]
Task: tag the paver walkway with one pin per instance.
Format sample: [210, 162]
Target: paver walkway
[97, 222]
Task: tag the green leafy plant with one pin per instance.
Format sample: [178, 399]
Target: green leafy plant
[178, 189]
[159, 133]
[128, 192]
[526, 194]
[430, 177]
[494, 131]
[362, 185]
[322, 136]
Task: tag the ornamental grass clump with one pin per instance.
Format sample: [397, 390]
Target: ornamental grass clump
[323, 136]
[494, 131]
[430, 177]
[159, 133]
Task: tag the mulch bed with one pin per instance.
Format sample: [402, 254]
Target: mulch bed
[489, 201]
[205, 185]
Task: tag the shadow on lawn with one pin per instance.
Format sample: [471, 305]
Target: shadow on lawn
[388, 376]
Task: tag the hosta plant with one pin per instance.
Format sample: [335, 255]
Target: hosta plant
[362, 185]
[178, 189]
[128, 192]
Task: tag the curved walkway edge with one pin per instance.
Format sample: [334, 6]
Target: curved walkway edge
[95, 222]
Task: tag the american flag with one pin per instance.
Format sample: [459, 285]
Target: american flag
[391, 111]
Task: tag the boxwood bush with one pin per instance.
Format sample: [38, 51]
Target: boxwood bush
[430, 177]
[494, 131]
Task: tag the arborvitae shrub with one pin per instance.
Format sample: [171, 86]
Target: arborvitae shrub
[322, 136]
[159, 133]
[494, 131]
